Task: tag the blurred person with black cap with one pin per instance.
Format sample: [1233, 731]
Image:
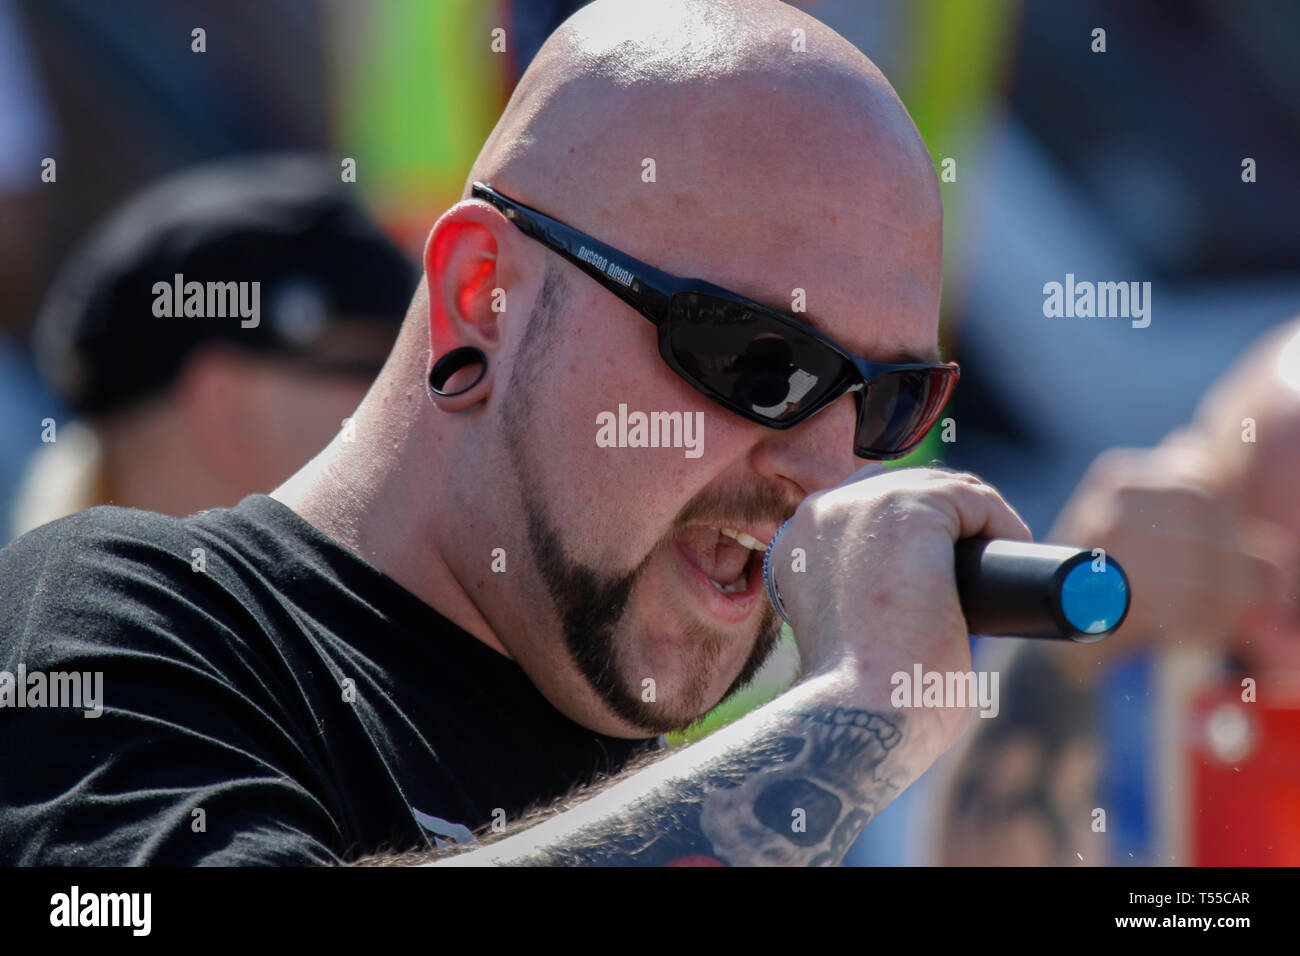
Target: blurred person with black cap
[180, 413]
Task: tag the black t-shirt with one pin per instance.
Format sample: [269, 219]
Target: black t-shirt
[252, 669]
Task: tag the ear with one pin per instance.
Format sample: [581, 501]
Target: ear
[467, 262]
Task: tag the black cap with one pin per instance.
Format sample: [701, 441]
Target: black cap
[113, 328]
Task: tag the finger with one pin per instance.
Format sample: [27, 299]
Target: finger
[983, 513]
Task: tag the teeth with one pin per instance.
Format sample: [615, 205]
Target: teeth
[741, 537]
[735, 587]
[748, 541]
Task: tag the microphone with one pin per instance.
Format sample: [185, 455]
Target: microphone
[1017, 589]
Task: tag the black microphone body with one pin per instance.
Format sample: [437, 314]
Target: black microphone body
[1018, 589]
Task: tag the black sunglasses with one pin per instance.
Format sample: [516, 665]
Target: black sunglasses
[765, 366]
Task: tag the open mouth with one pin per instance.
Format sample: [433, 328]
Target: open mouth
[730, 559]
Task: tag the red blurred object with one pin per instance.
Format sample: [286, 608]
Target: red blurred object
[1245, 773]
[695, 861]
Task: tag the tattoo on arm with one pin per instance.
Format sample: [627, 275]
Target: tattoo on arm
[795, 787]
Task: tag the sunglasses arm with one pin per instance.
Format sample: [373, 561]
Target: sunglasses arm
[643, 287]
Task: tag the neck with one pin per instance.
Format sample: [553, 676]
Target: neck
[378, 495]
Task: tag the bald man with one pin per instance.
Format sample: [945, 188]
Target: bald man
[1208, 523]
[499, 585]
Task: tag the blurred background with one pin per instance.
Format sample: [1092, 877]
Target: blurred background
[1127, 162]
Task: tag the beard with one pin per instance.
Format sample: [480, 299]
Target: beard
[590, 603]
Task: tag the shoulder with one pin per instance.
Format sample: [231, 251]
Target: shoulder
[96, 542]
[108, 615]
[110, 576]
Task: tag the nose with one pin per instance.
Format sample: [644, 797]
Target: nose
[813, 455]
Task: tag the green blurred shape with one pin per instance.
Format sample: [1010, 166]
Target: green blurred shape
[426, 93]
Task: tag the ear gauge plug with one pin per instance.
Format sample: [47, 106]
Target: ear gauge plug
[451, 363]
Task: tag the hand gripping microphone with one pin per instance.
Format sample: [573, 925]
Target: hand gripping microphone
[1016, 589]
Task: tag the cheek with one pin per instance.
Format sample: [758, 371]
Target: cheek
[617, 498]
[335, 401]
[618, 501]
[307, 413]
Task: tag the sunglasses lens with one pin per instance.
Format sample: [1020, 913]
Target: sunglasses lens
[897, 410]
[750, 359]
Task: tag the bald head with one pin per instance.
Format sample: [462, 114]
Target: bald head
[758, 119]
[1263, 385]
[682, 80]
[1251, 416]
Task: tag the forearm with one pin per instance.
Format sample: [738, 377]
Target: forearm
[792, 784]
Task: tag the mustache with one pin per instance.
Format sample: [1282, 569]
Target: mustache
[757, 504]
[761, 504]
